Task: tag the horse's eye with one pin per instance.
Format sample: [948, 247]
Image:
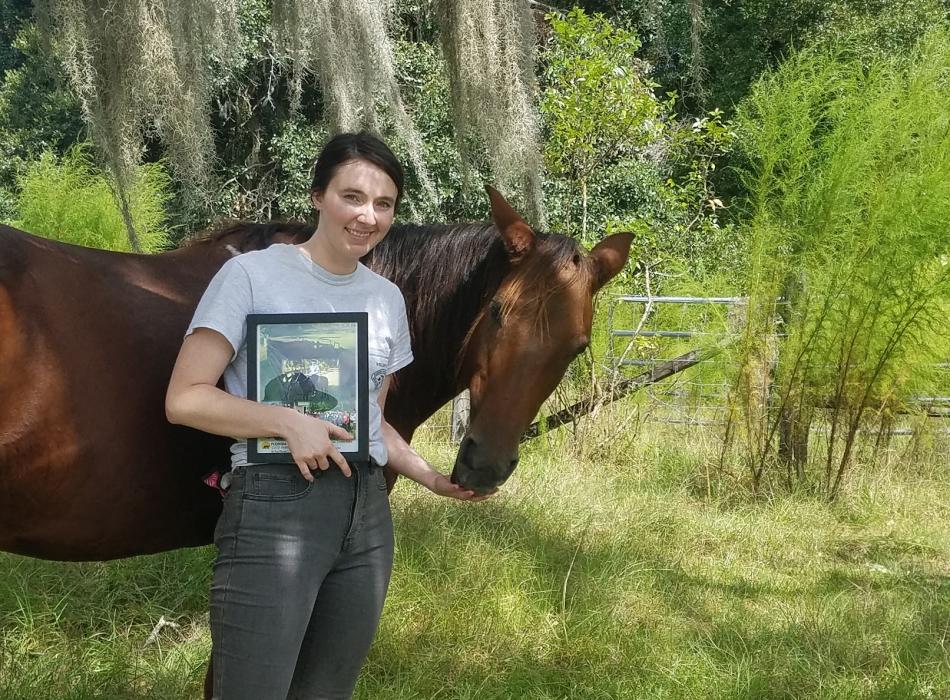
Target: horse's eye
[495, 308]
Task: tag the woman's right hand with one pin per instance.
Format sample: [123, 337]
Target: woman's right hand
[309, 440]
[194, 400]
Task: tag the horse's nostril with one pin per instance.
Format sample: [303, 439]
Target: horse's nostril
[468, 444]
[514, 463]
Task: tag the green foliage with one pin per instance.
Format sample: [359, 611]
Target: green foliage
[460, 191]
[68, 200]
[617, 158]
[37, 110]
[873, 29]
[849, 198]
[598, 105]
[264, 148]
[740, 40]
[598, 110]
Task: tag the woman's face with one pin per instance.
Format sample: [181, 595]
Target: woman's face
[356, 209]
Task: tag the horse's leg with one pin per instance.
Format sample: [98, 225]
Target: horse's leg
[209, 680]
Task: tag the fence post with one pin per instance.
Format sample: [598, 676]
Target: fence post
[461, 409]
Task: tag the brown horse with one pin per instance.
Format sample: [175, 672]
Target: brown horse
[90, 468]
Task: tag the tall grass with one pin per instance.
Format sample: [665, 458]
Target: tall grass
[69, 200]
[599, 577]
[849, 202]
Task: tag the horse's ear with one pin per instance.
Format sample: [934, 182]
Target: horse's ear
[609, 256]
[516, 234]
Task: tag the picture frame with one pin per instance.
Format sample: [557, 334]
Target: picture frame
[316, 363]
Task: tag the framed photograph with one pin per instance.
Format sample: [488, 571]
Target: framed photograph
[314, 363]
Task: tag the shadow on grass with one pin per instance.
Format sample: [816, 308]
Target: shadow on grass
[511, 599]
[845, 630]
[75, 631]
[76, 594]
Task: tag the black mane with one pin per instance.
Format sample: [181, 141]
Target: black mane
[446, 273]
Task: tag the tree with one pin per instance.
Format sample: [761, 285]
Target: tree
[616, 148]
[849, 182]
[125, 58]
[598, 104]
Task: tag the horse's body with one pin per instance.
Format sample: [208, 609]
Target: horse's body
[89, 466]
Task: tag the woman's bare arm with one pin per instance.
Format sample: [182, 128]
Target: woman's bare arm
[406, 461]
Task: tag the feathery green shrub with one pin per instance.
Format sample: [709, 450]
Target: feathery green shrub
[849, 206]
[68, 200]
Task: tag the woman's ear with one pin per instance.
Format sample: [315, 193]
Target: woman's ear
[316, 199]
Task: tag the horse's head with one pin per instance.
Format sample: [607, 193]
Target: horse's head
[519, 348]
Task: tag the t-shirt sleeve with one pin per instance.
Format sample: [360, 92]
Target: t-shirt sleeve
[401, 354]
[225, 305]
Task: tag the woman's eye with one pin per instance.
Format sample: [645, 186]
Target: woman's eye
[351, 198]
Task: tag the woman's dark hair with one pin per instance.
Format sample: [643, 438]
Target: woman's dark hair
[347, 147]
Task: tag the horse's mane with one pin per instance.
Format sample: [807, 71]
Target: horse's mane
[430, 261]
[447, 272]
[245, 236]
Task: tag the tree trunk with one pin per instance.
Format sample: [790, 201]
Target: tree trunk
[697, 24]
[584, 209]
[794, 419]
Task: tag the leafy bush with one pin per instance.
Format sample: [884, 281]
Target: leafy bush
[849, 202]
[68, 200]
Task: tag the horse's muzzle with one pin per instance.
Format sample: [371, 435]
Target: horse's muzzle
[478, 470]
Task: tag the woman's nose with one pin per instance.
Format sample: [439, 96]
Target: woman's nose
[367, 214]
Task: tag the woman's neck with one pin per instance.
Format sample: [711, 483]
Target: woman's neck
[319, 252]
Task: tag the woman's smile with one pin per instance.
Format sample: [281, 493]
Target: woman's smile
[360, 235]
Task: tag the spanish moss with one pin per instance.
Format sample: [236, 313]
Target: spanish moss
[140, 70]
[490, 50]
[347, 46]
[144, 71]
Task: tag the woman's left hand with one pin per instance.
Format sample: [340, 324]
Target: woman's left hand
[443, 486]
[406, 461]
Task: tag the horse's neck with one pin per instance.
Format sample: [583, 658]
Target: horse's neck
[445, 289]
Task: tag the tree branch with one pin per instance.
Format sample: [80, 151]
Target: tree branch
[660, 372]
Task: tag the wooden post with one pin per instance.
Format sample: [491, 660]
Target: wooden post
[461, 410]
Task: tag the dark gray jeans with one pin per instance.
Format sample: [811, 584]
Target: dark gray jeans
[299, 581]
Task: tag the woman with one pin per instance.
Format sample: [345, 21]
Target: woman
[303, 564]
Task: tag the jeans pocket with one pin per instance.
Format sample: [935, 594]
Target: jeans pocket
[270, 484]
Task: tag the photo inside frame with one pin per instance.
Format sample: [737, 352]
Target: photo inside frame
[313, 368]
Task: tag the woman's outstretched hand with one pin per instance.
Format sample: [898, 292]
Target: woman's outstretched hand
[443, 486]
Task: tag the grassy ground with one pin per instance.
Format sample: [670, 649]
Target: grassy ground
[608, 576]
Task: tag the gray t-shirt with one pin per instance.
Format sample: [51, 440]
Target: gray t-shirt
[282, 279]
